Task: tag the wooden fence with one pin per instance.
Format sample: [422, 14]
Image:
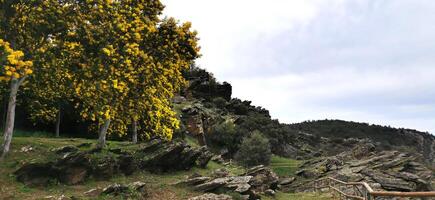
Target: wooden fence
[362, 191]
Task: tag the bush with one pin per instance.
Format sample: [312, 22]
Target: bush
[220, 102]
[254, 150]
[224, 136]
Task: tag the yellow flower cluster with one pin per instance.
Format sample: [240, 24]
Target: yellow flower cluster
[12, 63]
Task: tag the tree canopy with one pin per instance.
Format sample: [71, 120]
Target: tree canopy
[119, 62]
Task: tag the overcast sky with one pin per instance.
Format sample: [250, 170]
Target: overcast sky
[360, 60]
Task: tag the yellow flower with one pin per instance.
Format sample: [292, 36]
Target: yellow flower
[28, 71]
[106, 51]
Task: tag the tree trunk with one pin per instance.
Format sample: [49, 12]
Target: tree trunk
[102, 134]
[201, 139]
[58, 117]
[10, 117]
[4, 113]
[134, 129]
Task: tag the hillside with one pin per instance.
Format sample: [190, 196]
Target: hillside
[158, 186]
[215, 110]
[210, 117]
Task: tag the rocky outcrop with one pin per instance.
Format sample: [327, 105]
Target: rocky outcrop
[211, 196]
[257, 180]
[160, 156]
[74, 166]
[385, 170]
[133, 190]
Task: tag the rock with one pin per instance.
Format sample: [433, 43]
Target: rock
[363, 150]
[26, 149]
[178, 99]
[163, 157]
[204, 157]
[138, 186]
[263, 178]
[220, 173]
[218, 159]
[105, 169]
[212, 185]
[74, 168]
[127, 164]
[36, 174]
[211, 196]
[333, 163]
[63, 197]
[390, 183]
[257, 180]
[385, 170]
[194, 181]
[270, 192]
[286, 181]
[93, 192]
[66, 149]
[194, 175]
[85, 144]
[239, 184]
[115, 189]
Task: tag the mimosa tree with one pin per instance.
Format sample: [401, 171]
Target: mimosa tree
[26, 29]
[131, 64]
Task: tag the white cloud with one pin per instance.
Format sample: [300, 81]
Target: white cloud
[361, 60]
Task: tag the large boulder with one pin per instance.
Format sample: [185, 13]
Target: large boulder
[73, 168]
[170, 157]
[36, 174]
[255, 181]
[263, 178]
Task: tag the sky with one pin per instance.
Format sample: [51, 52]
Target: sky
[358, 60]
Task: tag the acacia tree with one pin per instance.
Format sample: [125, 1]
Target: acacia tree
[50, 89]
[13, 70]
[174, 48]
[28, 27]
[125, 72]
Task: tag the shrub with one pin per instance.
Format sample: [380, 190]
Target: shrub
[220, 102]
[254, 150]
[224, 136]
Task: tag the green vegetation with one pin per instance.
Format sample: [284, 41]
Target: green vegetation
[254, 150]
[160, 185]
[284, 167]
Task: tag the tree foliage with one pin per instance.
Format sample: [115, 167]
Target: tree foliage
[129, 63]
[118, 61]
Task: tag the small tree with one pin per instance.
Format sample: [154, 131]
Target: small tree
[254, 150]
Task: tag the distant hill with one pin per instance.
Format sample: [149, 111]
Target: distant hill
[385, 137]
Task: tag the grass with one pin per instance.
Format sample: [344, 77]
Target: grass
[284, 167]
[23, 133]
[160, 185]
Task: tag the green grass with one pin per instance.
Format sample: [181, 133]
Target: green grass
[160, 185]
[284, 167]
[23, 133]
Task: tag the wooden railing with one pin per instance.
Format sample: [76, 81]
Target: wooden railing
[361, 190]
